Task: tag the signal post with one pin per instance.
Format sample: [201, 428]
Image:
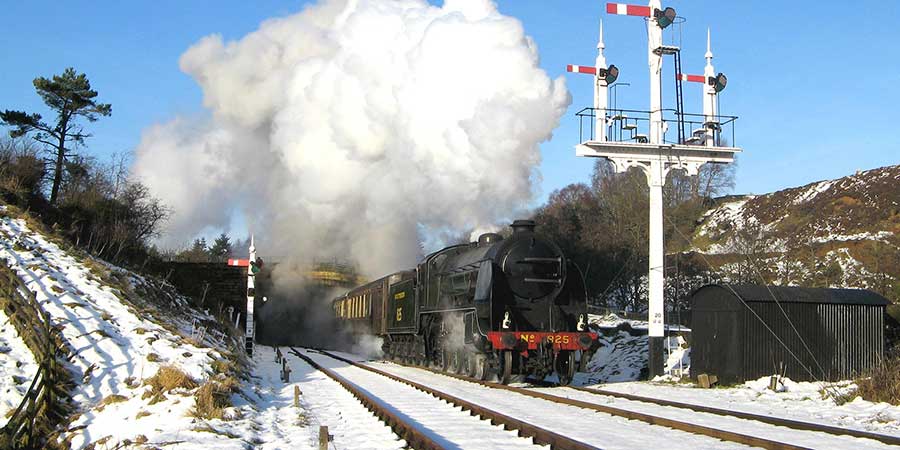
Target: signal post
[253, 265]
[651, 153]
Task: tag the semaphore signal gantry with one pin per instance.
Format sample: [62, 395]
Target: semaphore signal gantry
[638, 138]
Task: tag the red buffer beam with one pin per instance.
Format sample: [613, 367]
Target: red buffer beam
[581, 69]
[628, 10]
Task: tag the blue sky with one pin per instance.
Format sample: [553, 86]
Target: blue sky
[814, 82]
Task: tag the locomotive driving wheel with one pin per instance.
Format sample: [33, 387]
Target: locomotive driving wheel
[565, 366]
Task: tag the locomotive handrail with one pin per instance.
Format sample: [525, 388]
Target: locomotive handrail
[555, 281]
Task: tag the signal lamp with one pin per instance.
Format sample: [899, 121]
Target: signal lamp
[256, 266]
[718, 82]
[610, 74]
[665, 17]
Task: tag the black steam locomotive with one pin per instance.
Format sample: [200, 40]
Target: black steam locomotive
[513, 306]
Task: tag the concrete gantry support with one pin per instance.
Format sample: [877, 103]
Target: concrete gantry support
[656, 158]
[655, 61]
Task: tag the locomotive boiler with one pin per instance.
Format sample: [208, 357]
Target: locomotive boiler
[499, 306]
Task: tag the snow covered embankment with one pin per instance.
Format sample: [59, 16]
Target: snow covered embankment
[120, 340]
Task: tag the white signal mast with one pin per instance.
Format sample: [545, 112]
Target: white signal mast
[253, 266]
[651, 153]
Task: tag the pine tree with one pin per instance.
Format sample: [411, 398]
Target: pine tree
[70, 96]
[221, 248]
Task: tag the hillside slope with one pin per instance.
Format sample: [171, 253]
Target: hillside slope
[141, 352]
[838, 233]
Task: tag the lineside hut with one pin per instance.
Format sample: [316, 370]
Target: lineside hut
[740, 332]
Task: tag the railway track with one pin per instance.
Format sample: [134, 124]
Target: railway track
[778, 421]
[420, 422]
[752, 426]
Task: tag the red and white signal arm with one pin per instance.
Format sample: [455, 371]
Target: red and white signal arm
[691, 78]
[239, 262]
[581, 69]
[628, 10]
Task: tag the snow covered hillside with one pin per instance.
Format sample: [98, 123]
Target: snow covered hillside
[837, 233]
[143, 358]
[17, 368]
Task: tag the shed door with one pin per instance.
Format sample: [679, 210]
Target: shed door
[725, 351]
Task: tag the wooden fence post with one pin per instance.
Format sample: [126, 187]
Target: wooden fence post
[324, 438]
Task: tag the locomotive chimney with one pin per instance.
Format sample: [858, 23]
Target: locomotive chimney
[489, 238]
[522, 226]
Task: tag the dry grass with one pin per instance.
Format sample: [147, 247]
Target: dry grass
[882, 384]
[169, 378]
[114, 398]
[206, 428]
[153, 357]
[213, 397]
[141, 414]
[110, 399]
[223, 366]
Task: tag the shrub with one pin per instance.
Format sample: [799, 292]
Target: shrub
[213, 397]
[114, 398]
[168, 378]
[882, 384]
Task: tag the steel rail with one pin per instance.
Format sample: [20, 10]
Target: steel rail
[414, 438]
[634, 415]
[541, 436]
[789, 423]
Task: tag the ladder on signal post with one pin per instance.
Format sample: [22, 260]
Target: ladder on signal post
[679, 93]
[679, 98]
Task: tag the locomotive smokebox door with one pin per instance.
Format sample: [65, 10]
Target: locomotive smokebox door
[401, 310]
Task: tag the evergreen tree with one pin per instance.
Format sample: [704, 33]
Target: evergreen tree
[70, 96]
[221, 248]
[197, 253]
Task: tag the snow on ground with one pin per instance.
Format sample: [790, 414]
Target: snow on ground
[117, 344]
[269, 420]
[591, 427]
[726, 213]
[612, 320]
[814, 190]
[17, 368]
[448, 425]
[865, 236]
[620, 357]
[800, 401]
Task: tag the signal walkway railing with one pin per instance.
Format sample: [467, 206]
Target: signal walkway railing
[630, 125]
[45, 404]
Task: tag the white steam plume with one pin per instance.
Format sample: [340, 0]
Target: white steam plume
[357, 128]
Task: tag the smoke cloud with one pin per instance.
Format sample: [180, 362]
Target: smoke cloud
[358, 129]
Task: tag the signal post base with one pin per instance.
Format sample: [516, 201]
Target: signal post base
[656, 357]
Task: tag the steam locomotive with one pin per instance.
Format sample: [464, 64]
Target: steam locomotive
[505, 307]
